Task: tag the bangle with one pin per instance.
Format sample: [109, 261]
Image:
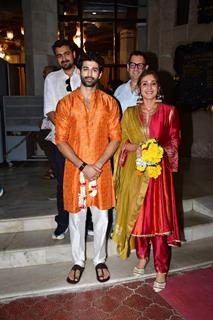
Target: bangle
[83, 165]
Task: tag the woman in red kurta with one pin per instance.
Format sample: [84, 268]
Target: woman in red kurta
[146, 207]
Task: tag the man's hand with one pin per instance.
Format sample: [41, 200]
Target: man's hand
[91, 172]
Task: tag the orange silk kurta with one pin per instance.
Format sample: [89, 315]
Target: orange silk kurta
[88, 133]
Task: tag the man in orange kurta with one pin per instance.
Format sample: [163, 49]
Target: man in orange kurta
[88, 133]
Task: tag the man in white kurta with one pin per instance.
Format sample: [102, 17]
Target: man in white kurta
[57, 85]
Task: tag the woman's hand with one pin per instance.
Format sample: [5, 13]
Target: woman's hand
[132, 147]
[138, 151]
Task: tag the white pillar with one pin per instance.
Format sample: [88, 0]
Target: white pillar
[127, 44]
[141, 36]
[40, 32]
[161, 19]
[141, 28]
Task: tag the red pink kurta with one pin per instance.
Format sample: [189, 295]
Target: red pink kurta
[158, 215]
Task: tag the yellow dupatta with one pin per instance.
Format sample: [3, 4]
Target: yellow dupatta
[129, 186]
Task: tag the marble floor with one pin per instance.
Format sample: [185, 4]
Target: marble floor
[26, 192]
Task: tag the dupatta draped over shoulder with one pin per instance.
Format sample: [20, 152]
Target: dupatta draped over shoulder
[146, 206]
[130, 187]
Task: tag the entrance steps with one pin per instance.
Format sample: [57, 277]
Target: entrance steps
[31, 263]
[49, 279]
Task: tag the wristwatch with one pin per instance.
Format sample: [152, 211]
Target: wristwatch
[82, 166]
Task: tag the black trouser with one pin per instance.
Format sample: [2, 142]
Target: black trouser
[47, 146]
[62, 217]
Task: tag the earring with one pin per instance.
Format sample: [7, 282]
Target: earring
[159, 96]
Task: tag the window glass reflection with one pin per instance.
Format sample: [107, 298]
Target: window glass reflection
[98, 9]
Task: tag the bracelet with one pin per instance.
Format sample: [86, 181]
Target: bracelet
[83, 165]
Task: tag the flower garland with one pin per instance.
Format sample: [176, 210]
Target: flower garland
[82, 195]
[151, 156]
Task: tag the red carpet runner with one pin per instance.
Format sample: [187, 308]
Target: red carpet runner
[191, 294]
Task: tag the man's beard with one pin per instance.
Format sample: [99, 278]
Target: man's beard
[67, 66]
[90, 84]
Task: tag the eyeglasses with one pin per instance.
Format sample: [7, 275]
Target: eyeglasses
[133, 65]
[68, 88]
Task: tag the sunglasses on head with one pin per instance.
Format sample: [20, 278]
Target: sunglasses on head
[68, 87]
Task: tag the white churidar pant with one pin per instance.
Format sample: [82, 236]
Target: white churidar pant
[77, 226]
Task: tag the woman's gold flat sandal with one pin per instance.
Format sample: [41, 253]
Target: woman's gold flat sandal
[138, 272]
[158, 286]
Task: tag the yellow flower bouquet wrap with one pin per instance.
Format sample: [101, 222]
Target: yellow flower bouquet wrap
[151, 156]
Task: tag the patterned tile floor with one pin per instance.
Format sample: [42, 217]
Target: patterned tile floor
[131, 301]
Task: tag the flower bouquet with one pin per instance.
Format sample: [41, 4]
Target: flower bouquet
[151, 156]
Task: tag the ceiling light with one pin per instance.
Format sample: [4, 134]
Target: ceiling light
[77, 38]
[10, 35]
[93, 13]
[2, 55]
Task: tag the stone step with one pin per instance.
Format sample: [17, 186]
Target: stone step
[28, 248]
[44, 222]
[27, 224]
[204, 205]
[50, 278]
[197, 226]
[37, 247]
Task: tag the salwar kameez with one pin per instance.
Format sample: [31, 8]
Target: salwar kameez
[146, 207]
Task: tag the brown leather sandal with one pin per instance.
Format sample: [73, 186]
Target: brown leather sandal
[76, 279]
[98, 267]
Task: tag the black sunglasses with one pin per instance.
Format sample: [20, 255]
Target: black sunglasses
[68, 87]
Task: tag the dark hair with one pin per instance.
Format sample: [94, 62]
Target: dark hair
[91, 56]
[149, 72]
[63, 42]
[137, 53]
